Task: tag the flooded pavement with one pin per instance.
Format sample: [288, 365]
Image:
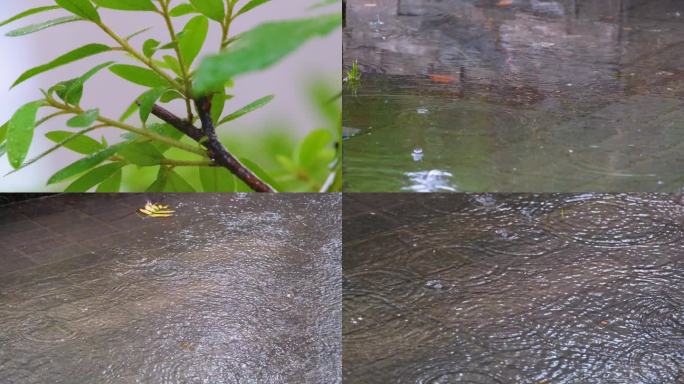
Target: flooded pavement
[454, 288]
[515, 95]
[235, 288]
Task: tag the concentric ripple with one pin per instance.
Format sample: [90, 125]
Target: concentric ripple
[612, 223]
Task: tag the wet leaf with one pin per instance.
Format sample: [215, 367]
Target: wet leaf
[76, 54]
[112, 183]
[213, 9]
[216, 179]
[3, 132]
[83, 165]
[27, 13]
[139, 75]
[247, 109]
[251, 5]
[20, 132]
[191, 40]
[182, 10]
[259, 48]
[81, 144]
[85, 119]
[71, 91]
[94, 177]
[142, 154]
[127, 5]
[83, 8]
[27, 30]
[150, 47]
[147, 101]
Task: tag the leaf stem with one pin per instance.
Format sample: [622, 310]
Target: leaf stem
[225, 26]
[142, 132]
[188, 163]
[140, 57]
[184, 69]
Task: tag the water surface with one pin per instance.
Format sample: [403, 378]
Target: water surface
[515, 96]
[534, 289]
[235, 288]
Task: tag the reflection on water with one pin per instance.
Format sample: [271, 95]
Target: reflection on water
[517, 95]
[232, 289]
[456, 288]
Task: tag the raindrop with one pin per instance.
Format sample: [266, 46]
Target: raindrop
[417, 154]
[422, 111]
[434, 284]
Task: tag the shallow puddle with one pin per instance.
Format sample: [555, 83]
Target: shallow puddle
[232, 289]
[515, 95]
[513, 289]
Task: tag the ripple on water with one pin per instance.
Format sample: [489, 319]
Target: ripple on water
[614, 222]
[43, 329]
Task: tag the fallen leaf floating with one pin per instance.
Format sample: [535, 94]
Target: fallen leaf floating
[156, 210]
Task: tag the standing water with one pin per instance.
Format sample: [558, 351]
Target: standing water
[232, 289]
[535, 289]
[516, 95]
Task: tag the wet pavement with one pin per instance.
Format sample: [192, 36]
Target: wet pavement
[515, 95]
[239, 288]
[453, 288]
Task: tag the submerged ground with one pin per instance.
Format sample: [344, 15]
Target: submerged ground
[233, 289]
[534, 289]
[515, 95]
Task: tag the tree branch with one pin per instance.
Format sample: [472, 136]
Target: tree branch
[207, 137]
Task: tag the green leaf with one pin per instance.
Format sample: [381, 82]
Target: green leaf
[129, 111]
[247, 109]
[175, 183]
[3, 131]
[160, 181]
[324, 3]
[139, 75]
[172, 63]
[265, 176]
[112, 184]
[85, 119]
[83, 164]
[127, 5]
[218, 102]
[191, 40]
[83, 8]
[20, 132]
[314, 148]
[150, 47]
[170, 95]
[94, 177]
[260, 48]
[76, 54]
[81, 144]
[53, 148]
[169, 181]
[216, 179]
[251, 5]
[182, 10]
[143, 154]
[134, 34]
[147, 101]
[71, 91]
[41, 26]
[3, 149]
[212, 9]
[26, 13]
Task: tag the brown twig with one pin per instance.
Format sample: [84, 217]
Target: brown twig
[207, 137]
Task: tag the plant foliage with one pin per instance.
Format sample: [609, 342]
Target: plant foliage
[183, 153]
